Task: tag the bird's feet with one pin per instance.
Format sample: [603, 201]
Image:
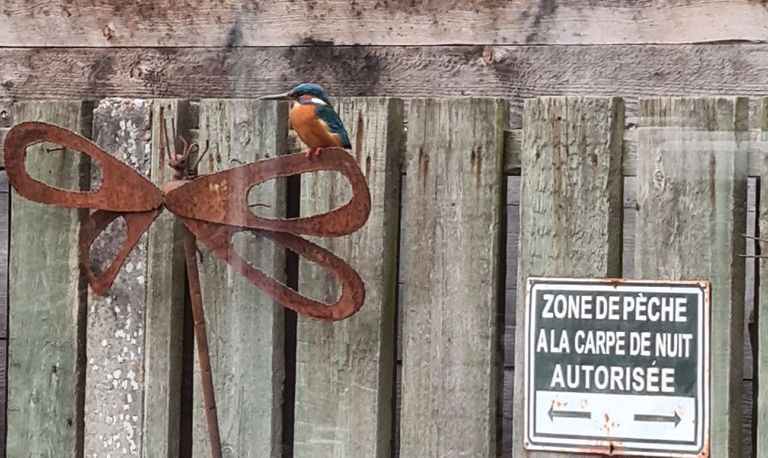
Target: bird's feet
[313, 152]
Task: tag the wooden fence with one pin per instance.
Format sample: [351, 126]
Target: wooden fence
[426, 368]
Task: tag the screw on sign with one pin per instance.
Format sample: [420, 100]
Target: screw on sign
[213, 208]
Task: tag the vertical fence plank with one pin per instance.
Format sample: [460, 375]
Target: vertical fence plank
[6, 121]
[165, 300]
[245, 327]
[344, 370]
[570, 205]
[5, 222]
[47, 300]
[761, 314]
[453, 241]
[691, 186]
[114, 392]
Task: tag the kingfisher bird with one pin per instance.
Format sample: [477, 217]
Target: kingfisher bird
[313, 118]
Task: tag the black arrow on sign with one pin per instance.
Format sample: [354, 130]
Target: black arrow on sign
[659, 418]
[567, 414]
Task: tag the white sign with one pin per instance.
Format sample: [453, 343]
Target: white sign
[617, 366]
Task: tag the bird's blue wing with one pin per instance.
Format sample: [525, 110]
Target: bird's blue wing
[328, 114]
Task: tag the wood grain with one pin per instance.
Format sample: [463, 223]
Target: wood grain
[389, 22]
[3, 133]
[165, 299]
[751, 281]
[5, 223]
[453, 239]
[114, 393]
[344, 370]
[6, 121]
[245, 327]
[755, 147]
[691, 193]
[628, 255]
[46, 367]
[747, 419]
[571, 153]
[5, 227]
[761, 314]
[514, 72]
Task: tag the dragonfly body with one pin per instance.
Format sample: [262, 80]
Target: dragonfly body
[313, 118]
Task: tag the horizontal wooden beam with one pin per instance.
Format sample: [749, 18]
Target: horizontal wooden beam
[87, 23]
[512, 72]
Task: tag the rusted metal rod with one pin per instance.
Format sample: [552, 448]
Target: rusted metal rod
[201, 338]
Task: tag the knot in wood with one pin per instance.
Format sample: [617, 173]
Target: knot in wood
[108, 32]
[658, 178]
[488, 56]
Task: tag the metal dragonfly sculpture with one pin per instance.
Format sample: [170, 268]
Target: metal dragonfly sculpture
[212, 208]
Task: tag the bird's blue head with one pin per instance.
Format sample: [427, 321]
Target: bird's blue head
[312, 89]
[309, 89]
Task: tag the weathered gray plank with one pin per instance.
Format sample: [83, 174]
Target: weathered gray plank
[114, 392]
[6, 120]
[453, 229]
[5, 204]
[6, 113]
[629, 218]
[3, 133]
[750, 273]
[46, 367]
[165, 300]
[509, 328]
[397, 409]
[508, 397]
[5, 221]
[245, 328]
[747, 419]
[284, 22]
[513, 236]
[691, 194]
[761, 314]
[571, 153]
[3, 393]
[344, 370]
[515, 72]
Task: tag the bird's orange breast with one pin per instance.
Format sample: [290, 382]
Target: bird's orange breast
[312, 130]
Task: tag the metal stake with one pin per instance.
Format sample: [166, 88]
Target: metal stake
[201, 338]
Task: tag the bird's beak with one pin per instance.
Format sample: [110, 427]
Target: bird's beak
[282, 96]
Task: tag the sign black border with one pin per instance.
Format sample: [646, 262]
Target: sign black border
[702, 285]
